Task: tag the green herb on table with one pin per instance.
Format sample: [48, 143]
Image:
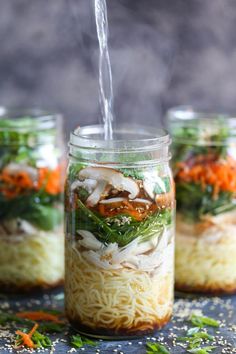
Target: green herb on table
[33, 339]
[203, 350]
[5, 318]
[79, 341]
[202, 321]
[41, 340]
[156, 348]
[196, 337]
[49, 327]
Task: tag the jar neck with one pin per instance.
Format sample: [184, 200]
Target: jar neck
[28, 127]
[188, 126]
[131, 146]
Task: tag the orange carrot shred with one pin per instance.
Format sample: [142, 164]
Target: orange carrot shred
[39, 316]
[26, 337]
[220, 174]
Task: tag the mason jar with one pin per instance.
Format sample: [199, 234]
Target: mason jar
[204, 165]
[31, 204]
[119, 232]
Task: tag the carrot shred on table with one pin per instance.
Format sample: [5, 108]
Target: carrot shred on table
[26, 337]
[39, 316]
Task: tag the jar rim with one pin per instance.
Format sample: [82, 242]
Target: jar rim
[188, 113]
[125, 138]
[207, 128]
[24, 119]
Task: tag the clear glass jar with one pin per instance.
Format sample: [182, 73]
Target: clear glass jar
[119, 232]
[204, 164]
[31, 203]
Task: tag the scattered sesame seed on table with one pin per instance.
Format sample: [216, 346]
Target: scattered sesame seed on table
[222, 309]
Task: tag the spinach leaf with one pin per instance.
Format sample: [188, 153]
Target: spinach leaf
[194, 202]
[108, 231]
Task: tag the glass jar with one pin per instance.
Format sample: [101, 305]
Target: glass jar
[204, 164]
[31, 203]
[119, 232]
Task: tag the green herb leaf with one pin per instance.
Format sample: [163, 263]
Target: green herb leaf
[108, 232]
[50, 327]
[79, 341]
[5, 318]
[134, 173]
[204, 350]
[201, 321]
[193, 331]
[158, 189]
[201, 202]
[156, 348]
[76, 341]
[41, 340]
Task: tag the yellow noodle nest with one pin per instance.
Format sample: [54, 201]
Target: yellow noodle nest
[123, 299]
[206, 262]
[33, 259]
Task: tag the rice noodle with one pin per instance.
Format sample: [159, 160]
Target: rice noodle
[206, 261]
[35, 259]
[121, 299]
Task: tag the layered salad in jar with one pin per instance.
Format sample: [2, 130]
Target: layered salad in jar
[204, 162]
[31, 212]
[119, 248]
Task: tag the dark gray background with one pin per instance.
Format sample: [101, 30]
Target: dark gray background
[163, 53]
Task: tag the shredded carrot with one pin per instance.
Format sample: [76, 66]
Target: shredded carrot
[122, 207]
[39, 316]
[17, 183]
[50, 180]
[26, 337]
[220, 174]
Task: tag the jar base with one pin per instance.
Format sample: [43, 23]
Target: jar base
[103, 333]
[204, 290]
[29, 288]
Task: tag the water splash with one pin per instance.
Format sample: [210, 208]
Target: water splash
[105, 74]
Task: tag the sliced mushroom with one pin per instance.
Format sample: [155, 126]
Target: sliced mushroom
[141, 201]
[94, 198]
[113, 200]
[88, 184]
[113, 177]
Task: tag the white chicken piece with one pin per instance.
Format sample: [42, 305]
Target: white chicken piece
[136, 255]
[89, 241]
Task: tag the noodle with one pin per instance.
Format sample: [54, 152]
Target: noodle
[31, 260]
[210, 258]
[123, 299]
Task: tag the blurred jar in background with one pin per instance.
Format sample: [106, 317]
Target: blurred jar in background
[31, 212]
[204, 164]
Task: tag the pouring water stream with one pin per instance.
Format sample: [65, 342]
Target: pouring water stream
[105, 74]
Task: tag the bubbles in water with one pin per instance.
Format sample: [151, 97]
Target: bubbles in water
[105, 74]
